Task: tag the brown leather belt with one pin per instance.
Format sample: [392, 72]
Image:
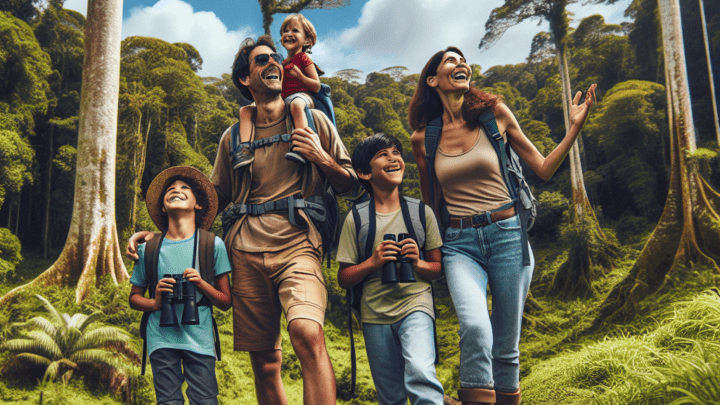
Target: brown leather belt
[480, 220]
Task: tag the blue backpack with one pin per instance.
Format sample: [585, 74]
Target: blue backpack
[522, 199]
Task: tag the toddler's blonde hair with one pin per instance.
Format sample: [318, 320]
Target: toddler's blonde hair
[309, 29]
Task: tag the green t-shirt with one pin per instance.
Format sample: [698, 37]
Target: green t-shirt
[388, 303]
[175, 257]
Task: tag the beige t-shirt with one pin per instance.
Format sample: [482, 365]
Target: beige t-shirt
[274, 178]
[235, 185]
[472, 181]
[388, 303]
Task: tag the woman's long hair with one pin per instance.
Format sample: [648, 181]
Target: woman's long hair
[426, 104]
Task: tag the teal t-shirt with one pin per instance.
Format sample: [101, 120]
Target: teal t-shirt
[175, 257]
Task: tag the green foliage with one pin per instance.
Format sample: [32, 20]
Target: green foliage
[631, 141]
[9, 254]
[16, 158]
[551, 215]
[60, 343]
[25, 68]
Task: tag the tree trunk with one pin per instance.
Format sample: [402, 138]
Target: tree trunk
[589, 247]
[48, 190]
[713, 100]
[688, 233]
[92, 251]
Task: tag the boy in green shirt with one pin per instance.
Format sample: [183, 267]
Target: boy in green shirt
[397, 318]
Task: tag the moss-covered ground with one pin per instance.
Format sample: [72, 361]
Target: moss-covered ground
[669, 352]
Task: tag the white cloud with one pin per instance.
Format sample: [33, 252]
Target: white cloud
[78, 5]
[176, 21]
[408, 32]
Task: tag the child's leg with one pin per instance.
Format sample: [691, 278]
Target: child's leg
[246, 114]
[386, 363]
[417, 342]
[200, 375]
[297, 110]
[246, 156]
[167, 376]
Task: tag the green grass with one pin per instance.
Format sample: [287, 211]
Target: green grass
[669, 352]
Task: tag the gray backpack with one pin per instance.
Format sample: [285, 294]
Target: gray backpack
[413, 212]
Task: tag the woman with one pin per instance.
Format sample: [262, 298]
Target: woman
[483, 238]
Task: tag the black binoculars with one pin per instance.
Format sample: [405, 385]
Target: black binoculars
[183, 293]
[400, 270]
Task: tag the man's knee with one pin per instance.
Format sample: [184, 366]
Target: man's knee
[307, 337]
[266, 364]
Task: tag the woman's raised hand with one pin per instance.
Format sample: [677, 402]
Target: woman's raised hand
[579, 112]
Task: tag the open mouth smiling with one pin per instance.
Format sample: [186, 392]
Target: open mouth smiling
[271, 73]
[392, 169]
[460, 76]
[175, 198]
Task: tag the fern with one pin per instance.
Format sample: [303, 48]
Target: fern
[62, 342]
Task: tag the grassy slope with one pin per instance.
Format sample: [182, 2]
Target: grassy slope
[560, 362]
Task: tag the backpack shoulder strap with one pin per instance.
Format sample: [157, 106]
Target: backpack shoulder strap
[206, 256]
[489, 124]
[363, 214]
[433, 131]
[413, 211]
[152, 255]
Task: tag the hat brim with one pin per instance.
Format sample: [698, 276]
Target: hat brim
[156, 191]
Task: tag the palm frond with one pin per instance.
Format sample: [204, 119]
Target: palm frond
[51, 309]
[42, 348]
[43, 324]
[98, 338]
[93, 356]
[76, 320]
[51, 371]
[89, 320]
[33, 359]
[46, 345]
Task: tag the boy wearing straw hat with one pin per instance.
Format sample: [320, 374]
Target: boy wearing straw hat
[181, 201]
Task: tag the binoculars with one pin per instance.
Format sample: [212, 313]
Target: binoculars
[183, 293]
[400, 270]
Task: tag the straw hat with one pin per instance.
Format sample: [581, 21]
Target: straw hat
[156, 191]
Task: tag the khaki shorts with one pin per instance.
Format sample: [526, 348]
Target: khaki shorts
[268, 283]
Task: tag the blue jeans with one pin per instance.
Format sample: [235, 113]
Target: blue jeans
[168, 377]
[402, 361]
[472, 258]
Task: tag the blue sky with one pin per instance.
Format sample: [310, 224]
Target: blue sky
[368, 35]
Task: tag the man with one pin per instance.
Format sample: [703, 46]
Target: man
[276, 264]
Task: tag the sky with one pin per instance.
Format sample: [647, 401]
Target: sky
[368, 35]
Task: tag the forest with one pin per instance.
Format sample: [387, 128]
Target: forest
[624, 306]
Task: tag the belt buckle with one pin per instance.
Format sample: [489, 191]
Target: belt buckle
[479, 220]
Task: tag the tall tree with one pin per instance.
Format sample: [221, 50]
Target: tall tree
[555, 12]
[92, 250]
[709, 66]
[272, 7]
[689, 229]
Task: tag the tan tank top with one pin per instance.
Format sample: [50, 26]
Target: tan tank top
[471, 181]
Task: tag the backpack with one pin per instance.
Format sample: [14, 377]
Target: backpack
[205, 252]
[522, 199]
[323, 211]
[413, 212]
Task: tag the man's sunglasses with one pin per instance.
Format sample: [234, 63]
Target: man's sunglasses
[263, 59]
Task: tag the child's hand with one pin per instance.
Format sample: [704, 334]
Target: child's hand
[164, 285]
[193, 276]
[387, 251]
[410, 249]
[296, 72]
